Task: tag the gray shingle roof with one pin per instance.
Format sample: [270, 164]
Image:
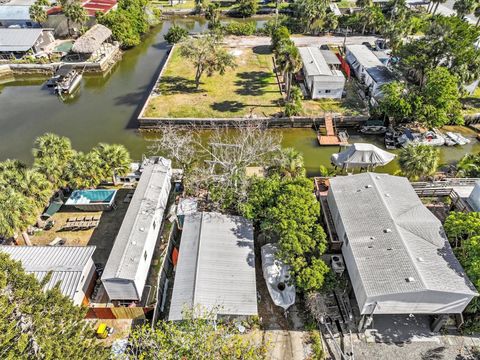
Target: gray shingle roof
[388, 228]
[18, 39]
[65, 262]
[216, 266]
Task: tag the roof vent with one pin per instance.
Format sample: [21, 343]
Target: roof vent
[410, 279]
[368, 186]
[387, 195]
[359, 190]
[142, 229]
[372, 237]
[420, 259]
[370, 246]
[386, 231]
[134, 243]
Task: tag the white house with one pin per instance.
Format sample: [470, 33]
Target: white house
[128, 265]
[216, 267]
[368, 69]
[71, 266]
[396, 252]
[323, 79]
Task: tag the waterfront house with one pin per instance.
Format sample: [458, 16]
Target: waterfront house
[369, 70]
[322, 76]
[18, 42]
[128, 265]
[396, 252]
[71, 267]
[17, 15]
[216, 267]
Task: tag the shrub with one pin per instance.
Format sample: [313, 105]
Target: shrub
[240, 29]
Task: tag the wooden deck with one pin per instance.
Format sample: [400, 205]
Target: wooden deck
[331, 137]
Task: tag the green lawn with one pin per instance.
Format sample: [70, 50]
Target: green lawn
[344, 4]
[250, 88]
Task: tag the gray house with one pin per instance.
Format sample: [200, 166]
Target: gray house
[396, 252]
[322, 76]
[22, 41]
[127, 267]
[216, 267]
[368, 69]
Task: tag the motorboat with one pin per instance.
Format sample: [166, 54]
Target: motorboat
[391, 139]
[373, 127]
[277, 277]
[456, 138]
[68, 83]
[431, 138]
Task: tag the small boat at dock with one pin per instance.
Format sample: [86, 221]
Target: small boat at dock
[68, 83]
[456, 139]
[373, 127]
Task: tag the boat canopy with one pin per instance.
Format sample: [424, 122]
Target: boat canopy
[362, 155]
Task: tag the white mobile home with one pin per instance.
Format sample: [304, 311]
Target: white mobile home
[127, 267]
[71, 266]
[323, 79]
[368, 69]
[216, 267]
[397, 255]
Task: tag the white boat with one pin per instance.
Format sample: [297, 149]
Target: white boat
[431, 138]
[69, 82]
[457, 138]
[277, 277]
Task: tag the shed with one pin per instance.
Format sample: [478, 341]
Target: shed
[24, 40]
[321, 78]
[396, 252]
[127, 267]
[92, 40]
[71, 266]
[216, 267]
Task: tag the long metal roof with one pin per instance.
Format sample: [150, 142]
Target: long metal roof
[18, 39]
[399, 246]
[314, 62]
[216, 266]
[364, 56]
[65, 262]
[14, 12]
[149, 198]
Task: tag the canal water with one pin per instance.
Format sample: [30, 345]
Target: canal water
[106, 108]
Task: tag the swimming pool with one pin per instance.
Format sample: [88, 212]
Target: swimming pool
[93, 200]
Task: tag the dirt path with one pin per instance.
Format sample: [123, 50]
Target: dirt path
[251, 41]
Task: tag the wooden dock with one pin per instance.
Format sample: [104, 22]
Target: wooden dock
[332, 137]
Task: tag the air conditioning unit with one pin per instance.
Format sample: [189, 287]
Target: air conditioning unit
[337, 263]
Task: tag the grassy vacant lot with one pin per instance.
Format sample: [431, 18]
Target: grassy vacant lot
[250, 88]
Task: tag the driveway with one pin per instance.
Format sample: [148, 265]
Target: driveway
[252, 41]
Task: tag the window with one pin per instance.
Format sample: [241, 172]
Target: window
[145, 256]
[328, 91]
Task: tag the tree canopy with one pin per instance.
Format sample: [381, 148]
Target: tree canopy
[37, 324]
[286, 210]
[469, 165]
[195, 338]
[418, 161]
[175, 34]
[207, 56]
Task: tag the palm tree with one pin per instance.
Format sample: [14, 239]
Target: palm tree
[84, 171]
[74, 12]
[476, 12]
[372, 17]
[17, 212]
[290, 62]
[290, 163]
[52, 153]
[464, 7]
[38, 12]
[114, 159]
[418, 161]
[469, 166]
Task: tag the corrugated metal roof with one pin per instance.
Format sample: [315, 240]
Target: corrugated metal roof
[364, 56]
[14, 12]
[314, 62]
[216, 266]
[65, 262]
[148, 202]
[18, 39]
[393, 237]
[381, 74]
